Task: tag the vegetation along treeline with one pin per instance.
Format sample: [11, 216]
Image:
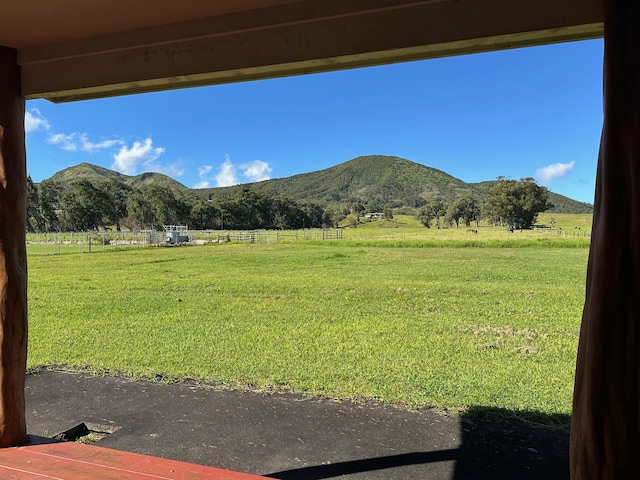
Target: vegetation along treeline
[85, 206]
[508, 202]
[88, 197]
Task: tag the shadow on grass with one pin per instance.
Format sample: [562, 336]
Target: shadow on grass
[494, 444]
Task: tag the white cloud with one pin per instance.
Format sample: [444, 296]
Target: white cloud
[202, 173]
[202, 184]
[256, 171]
[74, 142]
[556, 170]
[33, 120]
[204, 170]
[66, 142]
[227, 174]
[128, 158]
[91, 147]
[231, 174]
[173, 169]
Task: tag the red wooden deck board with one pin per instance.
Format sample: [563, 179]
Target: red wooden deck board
[76, 461]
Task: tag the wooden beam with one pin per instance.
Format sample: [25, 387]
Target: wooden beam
[306, 37]
[13, 257]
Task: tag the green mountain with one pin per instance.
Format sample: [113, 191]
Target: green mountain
[384, 180]
[562, 204]
[374, 178]
[96, 174]
[380, 179]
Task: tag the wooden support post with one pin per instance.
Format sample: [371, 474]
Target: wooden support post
[13, 257]
[605, 425]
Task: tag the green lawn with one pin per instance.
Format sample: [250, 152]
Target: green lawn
[444, 327]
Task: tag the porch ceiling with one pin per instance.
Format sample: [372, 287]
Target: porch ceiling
[78, 49]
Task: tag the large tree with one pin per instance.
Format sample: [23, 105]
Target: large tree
[465, 208]
[313, 214]
[35, 221]
[84, 207]
[204, 215]
[432, 209]
[516, 203]
[153, 207]
[49, 193]
[117, 192]
[141, 212]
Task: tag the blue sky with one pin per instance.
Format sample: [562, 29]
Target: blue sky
[534, 112]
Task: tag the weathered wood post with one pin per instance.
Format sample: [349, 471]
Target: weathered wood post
[605, 425]
[13, 257]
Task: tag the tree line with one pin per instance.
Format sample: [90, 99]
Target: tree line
[512, 203]
[87, 206]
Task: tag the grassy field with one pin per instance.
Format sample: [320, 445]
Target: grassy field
[408, 228]
[566, 221]
[489, 327]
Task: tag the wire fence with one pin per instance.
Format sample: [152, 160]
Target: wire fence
[87, 242]
[576, 232]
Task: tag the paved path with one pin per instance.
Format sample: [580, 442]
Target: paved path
[288, 436]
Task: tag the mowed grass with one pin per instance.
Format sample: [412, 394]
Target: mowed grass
[423, 327]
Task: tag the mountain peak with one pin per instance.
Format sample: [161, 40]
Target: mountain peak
[368, 179]
[96, 174]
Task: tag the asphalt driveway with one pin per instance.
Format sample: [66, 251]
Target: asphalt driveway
[288, 436]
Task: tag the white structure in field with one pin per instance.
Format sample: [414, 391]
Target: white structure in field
[175, 233]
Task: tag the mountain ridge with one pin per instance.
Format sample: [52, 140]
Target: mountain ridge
[96, 173]
[377, 179]
[371, 178]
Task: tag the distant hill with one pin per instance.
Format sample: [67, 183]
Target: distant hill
[384, 180]
[393, 181]
[562, 204]
[96, 174]
[374, 178]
